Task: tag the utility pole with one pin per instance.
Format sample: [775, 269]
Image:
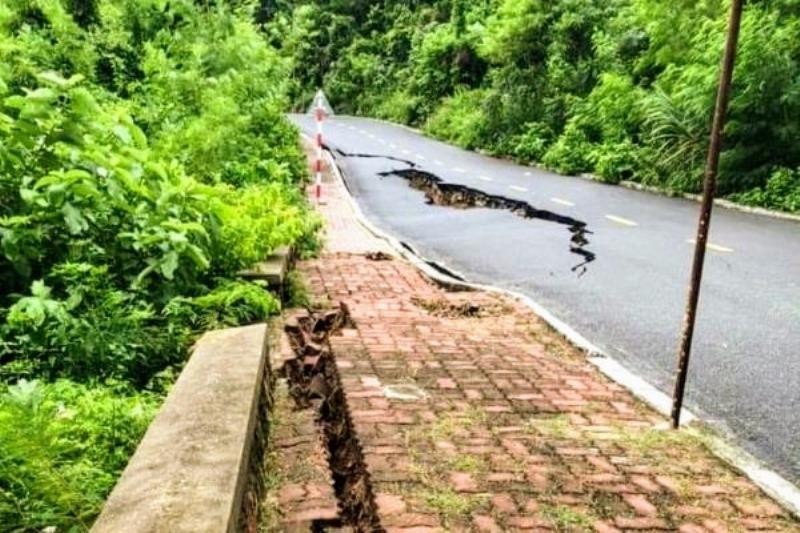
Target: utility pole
[709, 190]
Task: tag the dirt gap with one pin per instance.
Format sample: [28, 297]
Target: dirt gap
[314, 383]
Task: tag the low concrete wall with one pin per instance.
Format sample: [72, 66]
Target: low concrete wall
[190, 471]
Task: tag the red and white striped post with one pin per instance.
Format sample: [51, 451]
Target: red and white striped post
[319, 115]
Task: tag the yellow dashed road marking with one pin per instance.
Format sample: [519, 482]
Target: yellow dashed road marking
[562, 202]
[622, 221]
[714, 247]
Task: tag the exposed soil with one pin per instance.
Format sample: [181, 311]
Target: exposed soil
[378, 256]
[314, 383]
[466, 309]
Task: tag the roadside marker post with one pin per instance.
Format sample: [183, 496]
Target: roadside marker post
[321, 109]
[319, 114]
[709, 190]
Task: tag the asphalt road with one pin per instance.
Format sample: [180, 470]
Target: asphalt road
[745, 368]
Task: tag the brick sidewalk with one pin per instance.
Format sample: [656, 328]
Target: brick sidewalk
[510, 428]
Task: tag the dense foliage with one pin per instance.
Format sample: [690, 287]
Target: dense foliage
[144, 160]
[621, 88]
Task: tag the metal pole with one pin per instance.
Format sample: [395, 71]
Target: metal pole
[709, 190]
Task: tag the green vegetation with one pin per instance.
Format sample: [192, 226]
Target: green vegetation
[564, 518]
[144, 160]
[622, 89]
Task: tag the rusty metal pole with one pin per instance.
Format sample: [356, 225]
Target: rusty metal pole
[709, 190]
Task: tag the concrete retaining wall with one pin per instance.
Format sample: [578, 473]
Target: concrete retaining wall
[190, 472]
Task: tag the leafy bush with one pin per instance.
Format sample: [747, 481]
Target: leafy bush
[230, 304]
[532, 143]
[782, 192]
[570, 154]
[145, 161]
[62, 446]
[460, 119]
[89, 331]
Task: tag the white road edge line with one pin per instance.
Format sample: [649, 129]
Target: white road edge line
[561, 201]
[518, 188]
[770, 481]
[622, 221]
[713, 247]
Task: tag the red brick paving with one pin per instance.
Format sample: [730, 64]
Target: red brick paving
[306, 493]
[516, 431]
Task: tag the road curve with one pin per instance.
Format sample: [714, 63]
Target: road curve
[745, 369]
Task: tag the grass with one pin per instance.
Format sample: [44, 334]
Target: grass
[554, 427]
[273, 471]
[553, 343]
[607, 504]
[468, 463]
[450, 424]
[297, 292]
[449, 503]
[565, 518]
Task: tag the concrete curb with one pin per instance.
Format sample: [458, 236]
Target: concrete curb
[780, 489]
[191, 470]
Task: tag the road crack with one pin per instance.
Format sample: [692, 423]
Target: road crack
[440, 192]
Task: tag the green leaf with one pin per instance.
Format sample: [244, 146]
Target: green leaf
[121, 133]
[169, 264]
[76, 223]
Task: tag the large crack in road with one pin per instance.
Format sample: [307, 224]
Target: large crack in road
[439, 192]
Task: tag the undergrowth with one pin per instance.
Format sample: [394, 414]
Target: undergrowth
[145, 160]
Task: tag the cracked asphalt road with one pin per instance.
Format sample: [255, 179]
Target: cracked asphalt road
[745, 368]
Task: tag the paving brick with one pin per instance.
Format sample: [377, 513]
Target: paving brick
[602, 526]
[410, 520]
[389, 504]
[486, 523]
[526, 522]
[463, 482]
[762, 508]
[503, 503]
[640, 523]
[640, 504]
[715, 526]
[691, 528]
